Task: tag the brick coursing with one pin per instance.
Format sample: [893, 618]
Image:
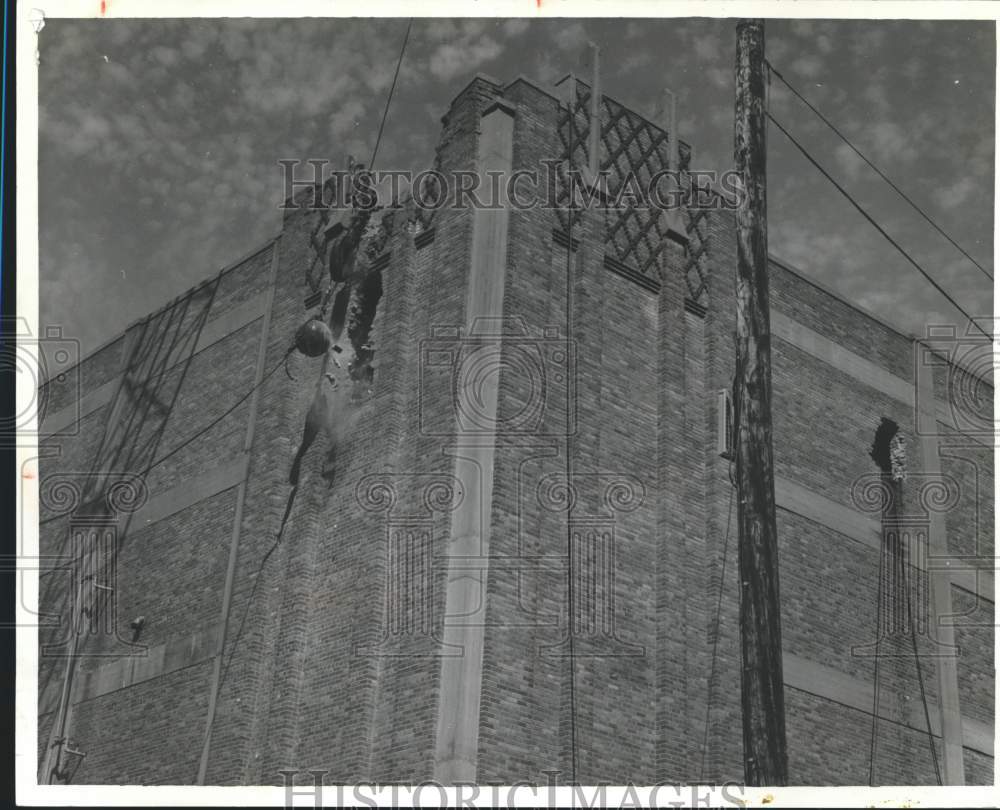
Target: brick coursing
[318, 679]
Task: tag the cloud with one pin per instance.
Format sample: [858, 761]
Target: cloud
[876, 93]
[957, 193]
[438, 29]
[571, 37]
[808, 67]
[803, 28]
[636, 60]
[118, 73]
[867, 41]
[515, 27]
[453, 59]
[346, 118]
[235, 44]
[912, 68]
[848, 161]
[707, 47]
[892, 142]
[473, 27]
[162, 161]
[720, 77]
[194, 46]
[635, 29]
[168, 57]
[545, 69]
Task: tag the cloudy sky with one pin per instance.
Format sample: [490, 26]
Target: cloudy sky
[160, 139]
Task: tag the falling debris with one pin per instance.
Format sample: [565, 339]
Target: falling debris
[897, 457]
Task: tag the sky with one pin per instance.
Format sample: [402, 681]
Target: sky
[159, 140]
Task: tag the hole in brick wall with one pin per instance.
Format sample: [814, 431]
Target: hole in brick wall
[888, 450]
[338, 312]
[362, 314]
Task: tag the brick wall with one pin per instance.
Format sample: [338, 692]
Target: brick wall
[187, 364]
[332, 658]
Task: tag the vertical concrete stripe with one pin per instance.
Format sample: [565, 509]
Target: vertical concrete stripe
[234, 543]
[940, 582]
[460, 684]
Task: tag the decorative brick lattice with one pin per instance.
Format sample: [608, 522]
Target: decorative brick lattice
[695, 270]
[629, 146]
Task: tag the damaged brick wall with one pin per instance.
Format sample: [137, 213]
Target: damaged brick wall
[337, 664]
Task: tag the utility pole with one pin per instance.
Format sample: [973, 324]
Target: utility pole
[764, 753]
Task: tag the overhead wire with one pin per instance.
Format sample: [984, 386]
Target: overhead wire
[871, 220]
[954, 303]
[876, 169]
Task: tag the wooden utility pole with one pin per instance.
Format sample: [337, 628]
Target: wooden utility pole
[764, 752]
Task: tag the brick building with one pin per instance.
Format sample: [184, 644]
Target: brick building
[521, 424]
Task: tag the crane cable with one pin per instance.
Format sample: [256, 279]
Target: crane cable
[291, 496]
[388, 100]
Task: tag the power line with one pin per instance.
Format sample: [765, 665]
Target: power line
[875, 225]
[878, 171]
[388, 100]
